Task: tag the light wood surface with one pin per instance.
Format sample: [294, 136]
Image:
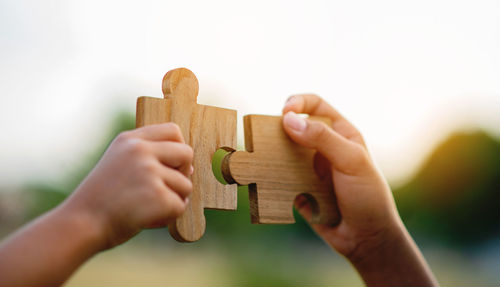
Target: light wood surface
[277, 170]
[205, 128]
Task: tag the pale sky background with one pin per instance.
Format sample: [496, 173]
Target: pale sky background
[406, 73]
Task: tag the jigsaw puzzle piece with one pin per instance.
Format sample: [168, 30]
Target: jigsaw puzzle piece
[277, 170]
[205, 128]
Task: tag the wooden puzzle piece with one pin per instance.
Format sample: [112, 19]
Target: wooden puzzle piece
[277, 170]
[205, 128]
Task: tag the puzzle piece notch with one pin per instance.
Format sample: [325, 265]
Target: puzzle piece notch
[205, 128]
[180, 85]
[277, 170]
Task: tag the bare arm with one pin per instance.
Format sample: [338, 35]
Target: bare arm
[48, 250]
[371, 234]
[393, 259]
[140, 182]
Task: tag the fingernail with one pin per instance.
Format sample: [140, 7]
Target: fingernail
[290, 101]
[191, 170]
[295, 122]
[186, 200]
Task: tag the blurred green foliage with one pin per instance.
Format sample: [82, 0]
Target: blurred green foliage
[46, 196]
[453, 198]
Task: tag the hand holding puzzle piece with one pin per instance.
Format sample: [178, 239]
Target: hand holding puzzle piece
[275, 168]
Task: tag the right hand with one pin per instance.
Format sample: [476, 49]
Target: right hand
[370, 234]
[142, 181]
[364, 197]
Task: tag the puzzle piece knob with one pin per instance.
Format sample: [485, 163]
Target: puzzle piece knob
[180, 82]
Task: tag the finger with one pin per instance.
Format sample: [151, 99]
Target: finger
[321, 166]
[314, 105]
[174, 154]
[160, 132]
[346, 156]
[169, 206]
[302, 206]
[177, 182]
[174, 205]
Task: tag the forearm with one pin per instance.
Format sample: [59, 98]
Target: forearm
[393, 261]
[48, 250]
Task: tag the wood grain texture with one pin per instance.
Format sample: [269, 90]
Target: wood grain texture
[277, 170]
[205, 128]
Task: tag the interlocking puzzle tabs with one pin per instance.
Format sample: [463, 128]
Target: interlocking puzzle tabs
[275, 168]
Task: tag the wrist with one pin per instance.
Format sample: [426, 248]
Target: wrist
[383, 259]
[372, 247]
[85, 224]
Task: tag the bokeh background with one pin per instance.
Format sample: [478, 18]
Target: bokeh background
[420, 79]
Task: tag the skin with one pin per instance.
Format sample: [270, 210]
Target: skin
[142, 181]
[371, 234]
[107, 209]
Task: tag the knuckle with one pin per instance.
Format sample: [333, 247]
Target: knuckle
[184, 186]
[124, 136]
[185, 152]
[174, 128]
[189, 153]
[187, 187]
[313, 97]
[163, 196]
[359, 157]
[312, 102]
[149, 167]
[177, 209]
[153, 193]
[136, 146]
[318, 130]
[161, 190]
[157, 191]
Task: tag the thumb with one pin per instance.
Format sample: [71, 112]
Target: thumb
[345, 155]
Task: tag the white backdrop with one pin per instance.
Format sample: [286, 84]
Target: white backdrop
[405, 72]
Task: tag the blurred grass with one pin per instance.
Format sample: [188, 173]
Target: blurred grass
[450, 205]
[139, 264]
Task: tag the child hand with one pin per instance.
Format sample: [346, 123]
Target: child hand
[364, 198]
[370, 234]
[142, 181]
